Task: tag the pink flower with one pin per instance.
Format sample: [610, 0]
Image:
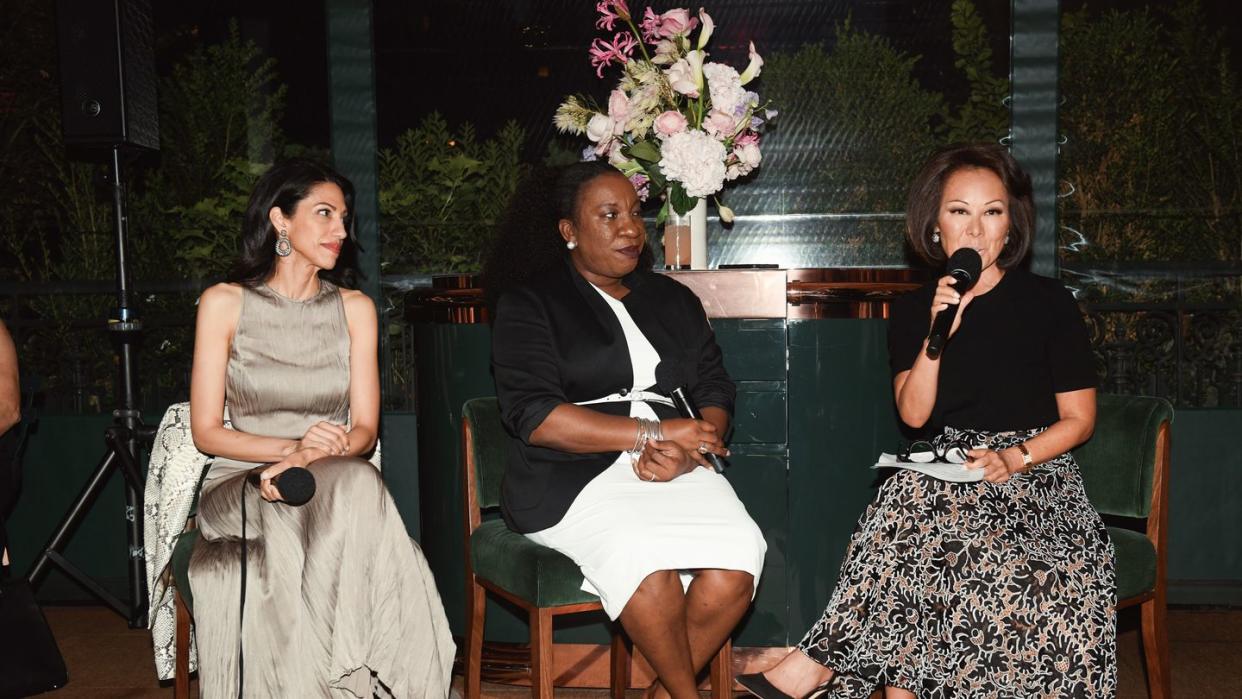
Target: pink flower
[686, 75]
[719, 124]
[747, 137]
[618, 106]
[670, 122]
[603, 54]
[675, 22]
[610, 11]
[667, 25]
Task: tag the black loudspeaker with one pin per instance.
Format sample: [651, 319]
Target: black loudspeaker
[107, 74]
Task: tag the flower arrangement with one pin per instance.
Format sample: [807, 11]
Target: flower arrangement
[675, 124]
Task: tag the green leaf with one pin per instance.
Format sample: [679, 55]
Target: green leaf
[680, 201]
[646, 151]
[663, 215]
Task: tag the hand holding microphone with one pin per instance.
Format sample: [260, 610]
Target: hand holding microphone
[671, 379]
[293, 486]
[964, 266]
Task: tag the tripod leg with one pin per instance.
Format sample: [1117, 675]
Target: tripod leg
[73, 518]
[124, 443]
[137, 560]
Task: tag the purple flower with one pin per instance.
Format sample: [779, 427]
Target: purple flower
[642, 185]
[588, 153]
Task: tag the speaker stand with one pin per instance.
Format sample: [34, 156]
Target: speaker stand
[121, 440]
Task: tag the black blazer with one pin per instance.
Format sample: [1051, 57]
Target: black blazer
[556, 341]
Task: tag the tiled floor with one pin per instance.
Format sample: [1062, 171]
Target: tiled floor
[107, 660]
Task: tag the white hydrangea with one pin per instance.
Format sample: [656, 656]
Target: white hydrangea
[696, 160]
[724, 86]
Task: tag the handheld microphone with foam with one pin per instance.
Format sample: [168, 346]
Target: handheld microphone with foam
[296, 485]
[671, 379]
[964, 266]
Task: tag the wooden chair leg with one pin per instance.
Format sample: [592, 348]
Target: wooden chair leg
[476, 612]
[1156, 647]
[620, 657]
[181, 668]
[541, 653]
[721, 671]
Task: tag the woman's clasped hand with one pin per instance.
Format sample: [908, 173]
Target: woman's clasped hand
[684, 448]
[330, 437]
[997, 465]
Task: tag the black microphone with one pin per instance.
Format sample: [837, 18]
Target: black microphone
[964, 266]
[671, 379]
[296, 485]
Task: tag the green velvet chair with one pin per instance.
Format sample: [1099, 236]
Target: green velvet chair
[543, 582]
[1125, 467]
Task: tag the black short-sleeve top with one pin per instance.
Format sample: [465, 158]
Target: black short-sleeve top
[1018, 345]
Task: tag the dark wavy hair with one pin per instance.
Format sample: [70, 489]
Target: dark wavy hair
[528, 243]
[286, 184]
[923, 205]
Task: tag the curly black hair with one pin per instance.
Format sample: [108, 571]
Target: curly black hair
[286, 184]
[529, 242]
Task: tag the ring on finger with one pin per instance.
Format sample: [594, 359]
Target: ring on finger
[702, 448]
[652, 479]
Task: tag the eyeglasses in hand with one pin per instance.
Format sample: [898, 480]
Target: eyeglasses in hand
[923, 452]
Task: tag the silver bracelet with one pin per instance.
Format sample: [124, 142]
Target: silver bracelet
[639, 436]
[647, 429]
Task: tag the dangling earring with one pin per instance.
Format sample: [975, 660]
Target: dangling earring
[935, 236]
[1006, 240]
[571, 244]
[283, 246]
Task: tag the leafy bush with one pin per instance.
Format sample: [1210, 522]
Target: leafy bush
[442, 193]
[1153, 122]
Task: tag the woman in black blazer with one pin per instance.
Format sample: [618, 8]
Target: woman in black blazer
[600, 466]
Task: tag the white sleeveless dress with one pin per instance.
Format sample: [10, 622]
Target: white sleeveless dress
[620, 529]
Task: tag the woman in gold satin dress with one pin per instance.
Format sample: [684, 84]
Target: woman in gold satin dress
[338, 600]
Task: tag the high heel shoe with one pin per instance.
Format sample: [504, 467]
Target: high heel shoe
[759, 686]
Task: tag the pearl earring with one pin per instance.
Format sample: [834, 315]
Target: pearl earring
[571, 244]
[935, 236]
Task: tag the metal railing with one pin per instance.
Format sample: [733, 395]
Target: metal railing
[1159, 330]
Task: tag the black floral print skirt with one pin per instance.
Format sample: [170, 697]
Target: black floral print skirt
[974, 589]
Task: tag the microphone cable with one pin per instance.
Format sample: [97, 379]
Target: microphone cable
[241, 611]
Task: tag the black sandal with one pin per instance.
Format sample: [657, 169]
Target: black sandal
[759, 686]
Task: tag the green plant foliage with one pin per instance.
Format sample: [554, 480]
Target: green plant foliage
[983, 117]
[442, 193]
[864, 123]
[1152, 121]
[219, 116]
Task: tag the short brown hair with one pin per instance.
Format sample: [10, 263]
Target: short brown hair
[923, 204]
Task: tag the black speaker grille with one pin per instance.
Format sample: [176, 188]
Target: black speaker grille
[107, 73]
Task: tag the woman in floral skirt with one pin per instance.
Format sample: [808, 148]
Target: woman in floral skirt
[996, 588]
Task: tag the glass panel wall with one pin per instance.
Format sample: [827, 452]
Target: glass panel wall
[1151, 193]
[864, 91]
